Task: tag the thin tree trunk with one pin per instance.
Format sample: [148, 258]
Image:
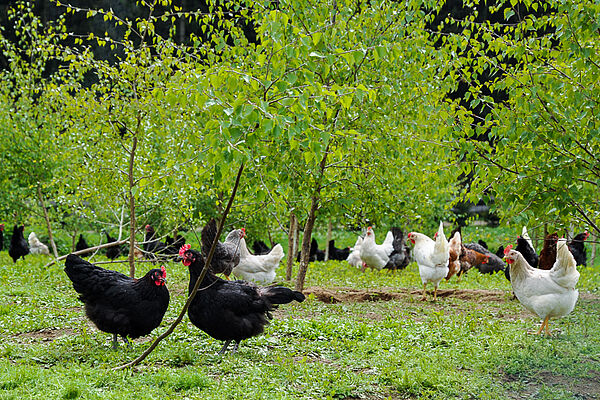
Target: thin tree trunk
[305, 253]
[132, 203]
[291, 246]
[296, 236]
[50, 236]
[329, 229]
[310, 223]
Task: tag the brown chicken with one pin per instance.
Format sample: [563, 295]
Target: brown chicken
[455, 252]
[470, 258]
[548, 254]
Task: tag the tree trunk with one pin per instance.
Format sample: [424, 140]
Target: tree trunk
[132, 204]
[310, 223]
[50, 236]
[291, 246]
[305, 253]
[296, 236]
[329, 228]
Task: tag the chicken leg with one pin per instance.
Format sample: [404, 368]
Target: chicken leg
[114, 342]
[224, 348]
[544, 324]
[424, 298]
[435, 294]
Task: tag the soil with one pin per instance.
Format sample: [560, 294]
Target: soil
[346, 295]
[45, 335]
[581, 387]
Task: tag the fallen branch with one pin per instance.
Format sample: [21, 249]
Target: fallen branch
[196, 286]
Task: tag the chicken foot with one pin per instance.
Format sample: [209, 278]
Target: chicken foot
[544, 324]
[424, 298]
[226, 345]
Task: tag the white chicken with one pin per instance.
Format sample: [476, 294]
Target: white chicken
[36, 246]
[258, 268]
[432, 258]
[376, 255]
[546, 293]
[354, 256]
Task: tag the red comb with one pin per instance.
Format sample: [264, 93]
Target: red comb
[507, 249]
[183, 249]
[243, 232]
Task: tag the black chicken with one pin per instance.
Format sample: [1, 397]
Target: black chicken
[116, 303]
[152, 246]
[173, 245]
[82, 245]
[337, 254]
[494, 263]
[400, 256]
[18, 245]
[114, 251]
[577, 248]
[231, 310]
[528, 253]
[314, 254]
[259, 247]
[227, 253]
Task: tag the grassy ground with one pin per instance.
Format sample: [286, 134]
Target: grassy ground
[470, 344]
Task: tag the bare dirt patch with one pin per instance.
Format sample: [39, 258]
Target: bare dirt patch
[46, 334]
[351, 295]
[582, 387]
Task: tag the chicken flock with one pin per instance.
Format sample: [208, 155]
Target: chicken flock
[234, 310]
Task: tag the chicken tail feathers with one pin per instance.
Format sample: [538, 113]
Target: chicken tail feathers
[281, 295]
[208, 235]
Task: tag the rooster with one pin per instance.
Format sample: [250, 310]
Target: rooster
[432, 257]
[231, 310]
[36, 246]
[227, 253]
[258, 268]
[18, 245]
[116, 303]
[548, 254]
[376, 255]
[548, 294]
[354, 257]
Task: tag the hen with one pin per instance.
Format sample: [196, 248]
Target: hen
[18, 245]
[152, 246]
[227, 253]
[354, 256]
[82, 245]
[432, 257]
[548, 254]
[376, 255]
[494, 263]
[471, 258]
[400, 257]
[577, 248]
[314, 254]
[36, 246]
[116, 303]
[548, 294]
[231, 310]
[454, 254]
[258, 268]
[114, 251]
[337, 254]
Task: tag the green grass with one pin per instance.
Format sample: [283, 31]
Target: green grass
[458, 347]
